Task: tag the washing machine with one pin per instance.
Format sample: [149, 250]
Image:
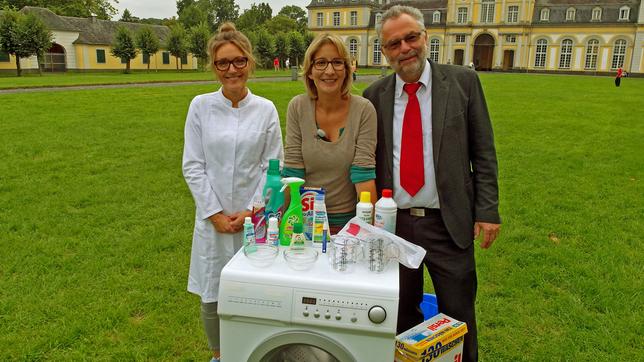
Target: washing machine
[279, 314]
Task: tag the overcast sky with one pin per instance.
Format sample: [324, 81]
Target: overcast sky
[168, 8]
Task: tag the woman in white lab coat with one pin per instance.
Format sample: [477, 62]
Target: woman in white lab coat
[229, 137]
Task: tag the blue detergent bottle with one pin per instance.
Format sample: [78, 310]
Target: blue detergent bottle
[273, 197]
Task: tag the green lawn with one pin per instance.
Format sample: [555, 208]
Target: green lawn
[11, 81]
[96, 223]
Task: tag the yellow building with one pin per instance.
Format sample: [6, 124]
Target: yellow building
[84, 44]
[570, 36]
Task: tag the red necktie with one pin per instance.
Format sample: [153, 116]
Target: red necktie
[412, 169]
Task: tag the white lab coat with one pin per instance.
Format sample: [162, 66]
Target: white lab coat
[225, 158]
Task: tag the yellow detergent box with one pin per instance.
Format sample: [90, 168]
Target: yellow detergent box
[439, 338]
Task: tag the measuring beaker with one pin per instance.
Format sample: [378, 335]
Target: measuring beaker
[344, 252]
[379, 251]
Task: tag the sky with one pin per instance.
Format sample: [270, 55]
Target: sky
[167, 8]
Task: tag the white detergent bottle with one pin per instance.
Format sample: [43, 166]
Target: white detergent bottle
[273, 235]
[386, 210]
[364, 208]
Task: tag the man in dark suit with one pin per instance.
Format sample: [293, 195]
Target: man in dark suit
[436, 151]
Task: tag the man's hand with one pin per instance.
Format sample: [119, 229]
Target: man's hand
[489, 231]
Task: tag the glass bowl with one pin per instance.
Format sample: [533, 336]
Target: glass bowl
[300, 259]
[261, 255]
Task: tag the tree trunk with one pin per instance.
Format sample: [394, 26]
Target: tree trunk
[177, 61]
[18, 66]
[39, 64]
[127, 67]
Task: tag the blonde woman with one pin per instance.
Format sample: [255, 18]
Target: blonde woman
[230, 135]
[330, 133]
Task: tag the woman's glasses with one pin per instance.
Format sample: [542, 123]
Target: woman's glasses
[224, 64]
[322, 64]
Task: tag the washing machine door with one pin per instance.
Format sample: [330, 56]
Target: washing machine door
[300, 346]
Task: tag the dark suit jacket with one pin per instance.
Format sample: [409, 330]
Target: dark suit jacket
[463, 145]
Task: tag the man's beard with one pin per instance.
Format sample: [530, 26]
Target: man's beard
[413, 70]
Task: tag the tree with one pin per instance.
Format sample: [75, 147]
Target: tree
[147, 42]
[222, 11]
[280, 24]
[182, 4]
[198, 43]
[23, 36]
[128, 17]
[265, 47]
[296, 13]
[254, 17]
[296, 46]
[176, 44]
[79, 8]
[123, 46]
[282, 46]
[308, 38]
[192, 15]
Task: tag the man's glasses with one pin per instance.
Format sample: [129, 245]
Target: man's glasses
[410, 38]
[321, 64]
[224, 64]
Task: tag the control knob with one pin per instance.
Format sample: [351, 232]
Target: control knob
[377, 314]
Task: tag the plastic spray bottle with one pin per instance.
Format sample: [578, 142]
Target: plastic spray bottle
[273, 197]
[386, 209]
[364, 208]
[293, 214]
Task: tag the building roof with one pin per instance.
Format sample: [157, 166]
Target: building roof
[92, 31]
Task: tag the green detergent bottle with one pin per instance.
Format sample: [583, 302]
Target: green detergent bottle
[293, 214]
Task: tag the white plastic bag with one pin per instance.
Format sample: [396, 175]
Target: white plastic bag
[411, 255]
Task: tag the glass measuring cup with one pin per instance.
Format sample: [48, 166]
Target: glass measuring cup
[378, 252]
[344, 252]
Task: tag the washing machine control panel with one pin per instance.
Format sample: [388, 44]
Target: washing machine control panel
[344, 311]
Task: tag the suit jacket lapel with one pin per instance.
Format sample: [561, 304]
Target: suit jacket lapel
[440, 91]
[387, 108]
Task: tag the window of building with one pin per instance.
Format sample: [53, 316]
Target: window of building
[597, 14]
[4, 56]
[461, 16]
[434, 48]
[123, 61]
[320, 19]
[376, 52]
[592, 49]
[624, 13]
[100, 56]
[619, 51]
[184, 59]
[566, 54]
[354, 18]
[353, 48]
[460, 38]
[540, 54]
[510, 38]
[166, 57]
[487, 11]
[570, 14]
[436, 17]
[513, 14]
[336, 18]
[378, 17]
[545, 14]
[146, 58]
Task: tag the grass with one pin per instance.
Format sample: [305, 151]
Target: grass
[96, 223]
[11, 81]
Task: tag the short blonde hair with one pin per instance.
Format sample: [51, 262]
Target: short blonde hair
[316, 44]
[227, 33]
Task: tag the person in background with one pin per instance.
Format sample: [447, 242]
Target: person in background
[354, 68]
[287, 63]
[230, 135]
[618, 78]
[330, 133]
[276, 64]
[436, 151]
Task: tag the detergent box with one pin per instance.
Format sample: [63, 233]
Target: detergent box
[439, 339]
[308, 198]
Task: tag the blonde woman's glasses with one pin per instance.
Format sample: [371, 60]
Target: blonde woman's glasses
[322, 64]
[224, 64]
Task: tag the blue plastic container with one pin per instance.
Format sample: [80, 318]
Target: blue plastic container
[429, 306]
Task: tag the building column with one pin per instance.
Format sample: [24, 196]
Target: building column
[499, 52]
[467, 57]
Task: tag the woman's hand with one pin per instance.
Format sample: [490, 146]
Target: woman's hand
[222, 223]
[237, 220]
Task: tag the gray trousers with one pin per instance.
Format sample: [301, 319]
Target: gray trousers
[210, 320]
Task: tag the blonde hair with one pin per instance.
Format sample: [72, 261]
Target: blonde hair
[316, 44]
[226, 34]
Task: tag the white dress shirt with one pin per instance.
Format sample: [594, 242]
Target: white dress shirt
[427, 196]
